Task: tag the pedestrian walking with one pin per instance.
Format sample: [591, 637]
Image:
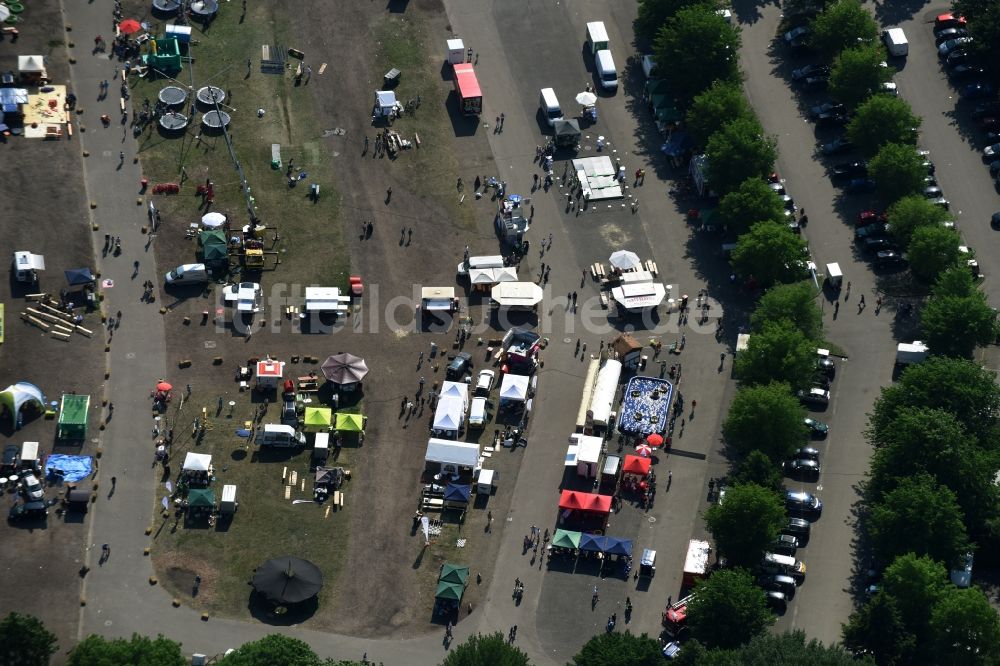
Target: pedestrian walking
[513, 632]
[121, 157]
[114, 482]
[862, 301]
[550, 241]
[670, 478]
[366, 145]
[388, 194]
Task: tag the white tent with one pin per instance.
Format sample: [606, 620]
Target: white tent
[455, 390]
[447, 452]
[197, 462]
[604, 392]
[506, 274]
[449, 416]
[31, 63]
[517, 294]
[514, 387]
[482, 276]
[639, 296]
[213, 220]
[326, 299]
[588, 454]
[385, 103]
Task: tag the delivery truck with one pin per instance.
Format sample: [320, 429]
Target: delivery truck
[911, 352]
[470, 97]
[696, 563]
[895, 41]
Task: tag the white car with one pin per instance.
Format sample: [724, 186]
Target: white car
[32, 488]
[478, 413]
[484, 382]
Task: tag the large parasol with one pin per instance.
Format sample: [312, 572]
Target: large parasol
[164, 387]
[644, 450]
[655, 440]
[128, 26]
[288, 580]
[586, 98]
[625, 260]
[345, 368]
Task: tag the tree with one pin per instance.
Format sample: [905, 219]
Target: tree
[746, 523]
[765, 418]
[953, 324]
[612, 649]
[918, 500]
[771, 253]
[955, 281]
[790, 649]
[722, 102]
[984, 26]
[691, 70]
[654, 13]
[965, 389]
[778, 352]
[753, 201]
[965, 628]
[488, 649]
[933, 249]
[912, 212]
[898, 171]
[842, 24]
[737, 152]
[795, 303]
[856, 74]
[916, 583]
[878, 628]
[138, 651]
[273, 649]
[757, 468]
[881, 120]
[728, 609]
[24, 641]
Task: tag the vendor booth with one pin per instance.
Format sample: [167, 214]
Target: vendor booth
[583, 423]
[449, 418]
[269, 374]
[605, 390]
[453, 459]
[450, 588]
[196, 471]
[611, 472]
[32, 69]
[511, 223]
[386, 105]
[517, 295]
[588, 454]
[200, 503]
[317, 419]
[21, 401]
[588, 511]
[345, 370]
[519, 354]
[437, 300]
[514, 391]
[351, 423]
[455, 390]
[605, 545]
[326, 299]
[628, 350]
[637, 292]
[456, 495]
[73, 412]
[566, 134]
[636, 465]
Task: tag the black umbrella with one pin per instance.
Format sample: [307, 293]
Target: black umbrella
[288, 580]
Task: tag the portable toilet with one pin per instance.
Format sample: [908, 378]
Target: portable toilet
[228, 504]
[456, 51]
[321, 448]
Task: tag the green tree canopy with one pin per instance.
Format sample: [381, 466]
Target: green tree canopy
[613, 649]
[956, 325]
[757, 468]
[856, 74]
[955, 281]
[918, 501]
[916, 583]
[966, 389]
[738, 151]
[711, 109]
[273, 649]
[881, 120]
[753, 201]
[746, 523]
[898, 171]
[138, 651]
[877, 627]
[932, 250]
[911, 213]
[795, 303]
[778, 352]
[984, 26]
[842, 24]
[765, 418]
[654, 13]
[728, 609]
[965, 629]
[691, 70]
[489, 649]
[24, 641]
[771, 254]
[768, 649]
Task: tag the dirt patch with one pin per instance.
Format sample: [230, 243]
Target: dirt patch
[179, 571]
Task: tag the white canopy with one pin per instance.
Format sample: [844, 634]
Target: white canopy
[31, 63]
[639, 296]
[213, 220]
[589, 448]
[625, 260]
[455, 390]
[197, 462]
[386, 99]
[517, 294]
[326, 299]
[25, 261]
[449, 415]
[514, 387]
[447, 452]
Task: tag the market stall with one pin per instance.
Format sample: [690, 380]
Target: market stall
[517, 295]
[449, 418]
[317, 419]
[454, 460]
[345, 370]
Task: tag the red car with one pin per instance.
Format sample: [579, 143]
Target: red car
[949, 21]
[865, 218]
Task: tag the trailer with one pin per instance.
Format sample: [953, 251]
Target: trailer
[470, 97]
[696, 562]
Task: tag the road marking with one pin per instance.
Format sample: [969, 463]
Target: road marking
[130, 355]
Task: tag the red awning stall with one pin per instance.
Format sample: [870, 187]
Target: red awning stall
[636, 465]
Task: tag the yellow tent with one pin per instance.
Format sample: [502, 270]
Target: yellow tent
[350, 423]
[318, 418]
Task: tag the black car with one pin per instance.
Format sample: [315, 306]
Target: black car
[27, 511]
[878, 244]
[458, 366]
[818, 82]
[803, 468]
[785, 544]
[944, 35]
[956, 58]
[995, 220]
[807, 453]
[809, 70]
[889, 259]
[776, 601]
[11, 453]
[798, 528]
[827, 107]
[984, 109]
[803, 504]
[860, 185]
[948, 47]
[831, 119]
[840, 145]
[779, 582]
[826, 365]
[847, 170]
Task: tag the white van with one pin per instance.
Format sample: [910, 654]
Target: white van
[188, 274]
[597, 36]
[895, 40]
[477, 413]
[784, 564]
[550, 106]
[280, 435]
[606, 71]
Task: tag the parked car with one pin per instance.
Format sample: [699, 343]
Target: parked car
[785, 544]
[826, 365]
[978, 90]
[817, 428]
[889, 259]
[956, 58]
[947, 47]
[815, 397]
[817, 82]
[860, 185]
[872, 230]
[809, 70]
[941, 202]
[484, 382]
[992, 151]
[11, 452]
[798, 528]
[889, 88]
[777, 188]
[867, 217]
[840, 145]
[780, 582]
[949, 20]
[803, 504]
[827, 107]
[986, 109]
[944, 34]
[846, 170]
[776, 601]
[932, 192]
[966, 70]
[831, 119]
[27, 511]
[807, 453]
[802, 469]
[458, 366]
[961, 576]
[32, 489]
[796, 37]
[995, 220]
[878, 244]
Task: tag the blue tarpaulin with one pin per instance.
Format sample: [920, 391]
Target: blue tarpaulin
[11, 97]
[69, 468]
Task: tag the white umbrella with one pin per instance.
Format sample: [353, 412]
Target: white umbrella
[213, 220]
[625, 260]
[586, 98]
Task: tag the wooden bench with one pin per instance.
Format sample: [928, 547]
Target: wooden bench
[651, 267]
[604, 300]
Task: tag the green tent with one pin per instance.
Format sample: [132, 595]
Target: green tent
[214, 247]
[449, 591]
[19, 397]
[73, 414]
[350, 422]
[566, 539]
[453, 573]
[201, 498]
[317, 418]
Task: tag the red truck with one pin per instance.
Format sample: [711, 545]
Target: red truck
[470, 97]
